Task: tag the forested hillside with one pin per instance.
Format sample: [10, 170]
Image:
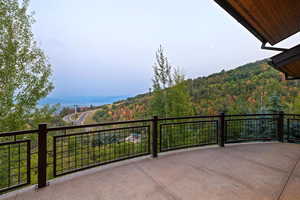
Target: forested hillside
[246, 89]
[252, 88]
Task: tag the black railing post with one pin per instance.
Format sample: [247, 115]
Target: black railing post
[280, 126]
[154, 136]
[222, 129]
[42, 156]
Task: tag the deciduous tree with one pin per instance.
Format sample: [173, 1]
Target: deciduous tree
[24, 69]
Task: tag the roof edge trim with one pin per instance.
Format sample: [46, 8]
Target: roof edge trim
[226, 6]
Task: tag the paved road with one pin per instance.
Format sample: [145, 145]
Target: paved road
[79, 121]
[68, 118]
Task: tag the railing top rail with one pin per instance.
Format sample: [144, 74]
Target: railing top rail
[245, 119]
[100, 131]
[14, 133]
[189, 117]
[191, 122]
[99, 124]
[250, 115]
[215, 116]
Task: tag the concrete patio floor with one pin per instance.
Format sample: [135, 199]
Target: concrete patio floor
[268, 171]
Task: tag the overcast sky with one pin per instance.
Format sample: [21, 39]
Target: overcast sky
[107, 47]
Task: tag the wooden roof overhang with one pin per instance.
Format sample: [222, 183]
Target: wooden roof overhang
[271, 21]
[288, 62]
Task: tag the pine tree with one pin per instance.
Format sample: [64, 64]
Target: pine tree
[275, 105]
[161, 81]
[170, 94]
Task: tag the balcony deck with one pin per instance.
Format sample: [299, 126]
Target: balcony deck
[268, 171]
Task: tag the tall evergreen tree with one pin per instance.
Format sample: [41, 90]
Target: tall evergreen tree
[275, 105]
[170, 94]
[161, 81]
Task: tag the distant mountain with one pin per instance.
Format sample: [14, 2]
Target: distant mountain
[246, 89]
[81, 100]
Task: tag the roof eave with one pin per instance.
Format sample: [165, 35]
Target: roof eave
[226, 6]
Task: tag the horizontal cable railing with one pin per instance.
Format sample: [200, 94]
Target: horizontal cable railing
[36, 156]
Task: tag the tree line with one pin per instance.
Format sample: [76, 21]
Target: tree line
[252, 88]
